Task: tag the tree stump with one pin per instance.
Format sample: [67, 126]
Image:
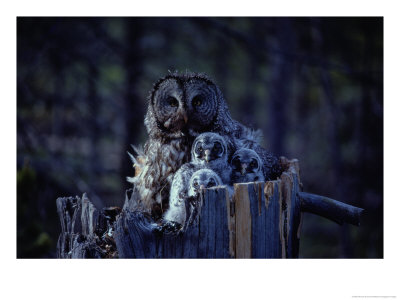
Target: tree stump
[261, 220]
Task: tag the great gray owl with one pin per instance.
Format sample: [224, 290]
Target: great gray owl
[246, 166]
[185, 187]
[180, 107]
[203, 179]
[210, 150]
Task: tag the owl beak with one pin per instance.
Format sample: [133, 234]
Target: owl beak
[202, 187]
[207, 155]
[185, 118]
[244, 168]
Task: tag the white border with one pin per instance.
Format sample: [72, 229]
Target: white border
[199, 279]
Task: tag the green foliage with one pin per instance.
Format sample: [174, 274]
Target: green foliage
[33, 241]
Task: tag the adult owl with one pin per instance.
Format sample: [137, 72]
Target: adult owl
[210, 150]
[246, 166]
[180, 107]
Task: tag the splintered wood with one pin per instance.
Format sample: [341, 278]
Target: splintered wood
[261, 220]
[267, 216]
[257, 222]
[243, 217]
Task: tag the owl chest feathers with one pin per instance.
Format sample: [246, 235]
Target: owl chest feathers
[162, 160]
[166, 158]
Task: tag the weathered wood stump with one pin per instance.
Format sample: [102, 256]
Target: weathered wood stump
[261, 220]
[90, 234]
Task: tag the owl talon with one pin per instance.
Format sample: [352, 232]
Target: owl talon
[169, 227]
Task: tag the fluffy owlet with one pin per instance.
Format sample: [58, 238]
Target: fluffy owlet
[210, 150]
[185, 187]
[246, 166]
[179, 194]
[203, 179]
[180, 107]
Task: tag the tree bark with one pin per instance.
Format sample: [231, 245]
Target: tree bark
[261, 220]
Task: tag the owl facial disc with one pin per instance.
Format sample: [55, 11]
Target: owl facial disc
[208, 147]
[203, 179]
[246, 166]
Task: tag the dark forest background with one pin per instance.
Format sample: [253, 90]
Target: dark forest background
[313, 85]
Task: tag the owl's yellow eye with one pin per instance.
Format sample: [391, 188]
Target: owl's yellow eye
[197, 101]
[254, 164]
[198, 148]
[211, 183]
[172, 102]
[217, 149]
[236, 162]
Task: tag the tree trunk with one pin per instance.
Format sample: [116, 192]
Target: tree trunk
[261, 220]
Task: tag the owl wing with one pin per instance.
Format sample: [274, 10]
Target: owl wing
[271, 166]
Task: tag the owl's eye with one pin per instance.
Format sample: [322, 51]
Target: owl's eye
[211, 183]
[236, 162]
[199, 149]
[253, 164]
[172, 101]
[197, 101]
[195, 184]
[217, 149]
